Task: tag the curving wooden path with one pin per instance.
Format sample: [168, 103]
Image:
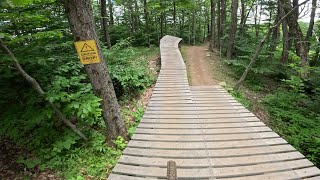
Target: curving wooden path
[206, 132]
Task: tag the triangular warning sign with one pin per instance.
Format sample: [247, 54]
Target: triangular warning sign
[86, 48]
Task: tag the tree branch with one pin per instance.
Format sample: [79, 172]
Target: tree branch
[261, 45]
[35, 85]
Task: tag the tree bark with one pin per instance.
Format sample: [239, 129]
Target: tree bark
[285, 39]
[82, 26]
[233, 28]
[213, 25]
[311, 22]
[35, 85]
[105, 26]
[146, 17]
[110, 5]
[174, 17]
[194, 26]
[219, 33]
[275, 35]
[301, 45]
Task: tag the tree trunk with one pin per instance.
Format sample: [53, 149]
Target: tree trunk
[174, 17]
[311, 22]
[285, 39]
[194, 26]
[146, 17]
[233, 28]
[219, 24]
[302, 46]
[104, 23]
[275, 35]
[111, 12]
[243, 11]
[213, 25]
[82, 26]
[255, 22]
[223, 17]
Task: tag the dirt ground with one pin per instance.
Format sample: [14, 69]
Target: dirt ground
[204, 67]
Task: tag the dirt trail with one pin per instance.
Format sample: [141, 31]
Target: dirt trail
[200, 62]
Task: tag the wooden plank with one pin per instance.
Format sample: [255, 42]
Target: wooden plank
[204, 126]
[308, 172]
[200, 121]
[199, 109]
[195, 110]
[206, 145]
[261, 168]
[211, 153]
[216, 163]
[162, 172]
[203, 131]
[187, 138]
[193, 116]
[125, 177]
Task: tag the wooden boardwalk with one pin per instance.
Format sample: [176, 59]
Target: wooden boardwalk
[206, 132]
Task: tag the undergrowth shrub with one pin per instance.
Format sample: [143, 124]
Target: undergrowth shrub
[30, 122]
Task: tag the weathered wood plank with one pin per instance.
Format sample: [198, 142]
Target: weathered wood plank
[209, 153]
[206, 145]
[204, 131]
[215, 163]
[188, 138]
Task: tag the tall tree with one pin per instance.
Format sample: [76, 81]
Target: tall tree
[82, 26]
[213, 24]
[233, 28]
[294, 28]
[311, 22]
[105, 26]
[110, 5]
[285, 38]
[146, 17]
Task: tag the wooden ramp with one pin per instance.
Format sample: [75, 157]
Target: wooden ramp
[206, 132]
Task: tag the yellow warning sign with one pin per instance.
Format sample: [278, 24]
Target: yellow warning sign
[88, 51]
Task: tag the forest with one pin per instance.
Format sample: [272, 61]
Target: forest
[61, 119]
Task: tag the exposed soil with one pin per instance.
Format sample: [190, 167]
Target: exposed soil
[200, 65]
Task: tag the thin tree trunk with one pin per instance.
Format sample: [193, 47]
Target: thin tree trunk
[105, 26]
[82, 26]
[213, 25]
[301, 44]
[311, 22]
[146, 17]
[189, 29]
[233, 28]
[35, 85]
[275, 35]
[219, 24]
[223, 17]
[194, 26]
[255, 22]
[285, 39]
[111, 12]
[262, 43]
[174, 17]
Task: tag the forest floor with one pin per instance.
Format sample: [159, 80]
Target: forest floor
[205, 68]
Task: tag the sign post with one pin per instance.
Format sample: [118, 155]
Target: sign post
[88, 52]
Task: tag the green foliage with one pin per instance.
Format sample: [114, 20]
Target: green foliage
[129, 67]
[293, 119]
